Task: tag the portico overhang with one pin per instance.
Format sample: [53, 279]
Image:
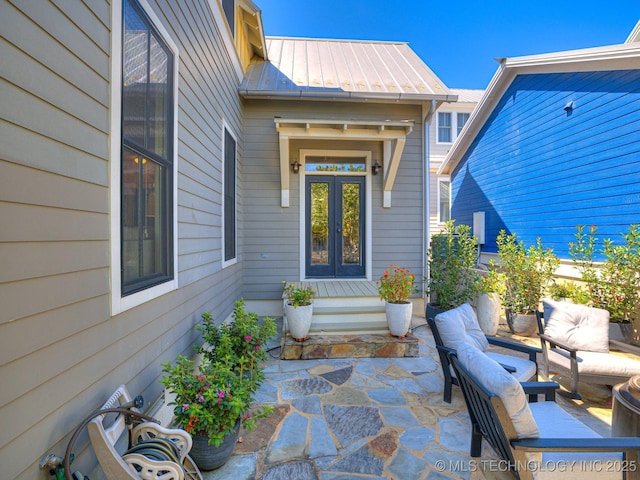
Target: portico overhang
[392, 134]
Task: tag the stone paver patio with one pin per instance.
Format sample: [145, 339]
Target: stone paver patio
[372, 418]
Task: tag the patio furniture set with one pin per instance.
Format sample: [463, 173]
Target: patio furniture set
[537, 439]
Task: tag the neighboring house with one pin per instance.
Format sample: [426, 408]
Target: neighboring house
[147, 174]
[447, 125]
[554, 143]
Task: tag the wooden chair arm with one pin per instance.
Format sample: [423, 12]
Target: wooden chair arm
[602, 444]
[555, 343]
[548, 389]
[518, 347]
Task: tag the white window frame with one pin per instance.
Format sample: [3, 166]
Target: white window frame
[118, 302]
[227, 128]
[454, 126]
[442, 180]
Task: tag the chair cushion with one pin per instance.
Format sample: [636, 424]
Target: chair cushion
[460, 325]
[555, 422]
[579, 326]
[597, 363]
[525, 368]
[497, 381]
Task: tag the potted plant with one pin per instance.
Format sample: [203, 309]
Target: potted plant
[527, 272]
[614, 285]
[214, 398]
[568, 292]
[394, 287]
[453, 279]
[490, 286]
[298, 309]
[211, 402]
[241, 342]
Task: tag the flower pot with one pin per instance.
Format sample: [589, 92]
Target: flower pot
[621, 332]
[299, 321]
[521, 323]
[488, 312]
[399, 318]
[432, 309]
[209, 457]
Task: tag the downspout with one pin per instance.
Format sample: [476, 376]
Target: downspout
[426, 165]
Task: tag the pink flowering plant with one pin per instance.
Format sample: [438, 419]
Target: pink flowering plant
[211, 400]
[213, 396]
[396, 284]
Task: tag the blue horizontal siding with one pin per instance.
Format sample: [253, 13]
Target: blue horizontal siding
[539, 171]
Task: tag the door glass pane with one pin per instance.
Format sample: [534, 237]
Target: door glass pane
[319, 223]
[335, 164]
[351, 224]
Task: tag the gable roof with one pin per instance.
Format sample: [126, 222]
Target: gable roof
[634, 36]
[615, 57]
[342, 69]
[466, 95]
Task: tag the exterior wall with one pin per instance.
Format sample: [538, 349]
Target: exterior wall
[271, 233]
[437, 153]
[539, 171]
[62, 352]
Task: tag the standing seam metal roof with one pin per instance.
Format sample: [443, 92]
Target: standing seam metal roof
[304, 67]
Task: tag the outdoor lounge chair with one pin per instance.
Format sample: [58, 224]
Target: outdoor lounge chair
[539, 440]
[460, 325]
[575, 342]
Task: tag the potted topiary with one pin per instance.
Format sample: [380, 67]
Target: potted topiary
[488, 305]
[298, 309]
[614, 284]
[453, 279]
[395, 286]
[527, 271]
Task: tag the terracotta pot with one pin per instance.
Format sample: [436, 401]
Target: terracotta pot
[209, 457]
[399, 318]
[299, 321]
[521, 323]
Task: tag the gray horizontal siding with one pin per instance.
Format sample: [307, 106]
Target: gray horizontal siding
[274, 232]
[58, 340]
[539, 171]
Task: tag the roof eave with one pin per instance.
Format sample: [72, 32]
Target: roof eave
[614, 57]
[345, 96]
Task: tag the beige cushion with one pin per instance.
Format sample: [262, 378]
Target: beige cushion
[460, 325]
[498, 381]
[579, 326]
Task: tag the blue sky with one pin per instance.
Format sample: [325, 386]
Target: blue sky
[459, 40]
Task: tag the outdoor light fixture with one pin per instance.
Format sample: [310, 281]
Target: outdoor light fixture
[569, 106]
[375, 168]
[295, 166]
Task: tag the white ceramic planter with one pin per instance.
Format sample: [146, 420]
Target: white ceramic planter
[399, 318]
[299, 320]
[488, 311]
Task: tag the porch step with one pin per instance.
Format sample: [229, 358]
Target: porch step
[349, 346]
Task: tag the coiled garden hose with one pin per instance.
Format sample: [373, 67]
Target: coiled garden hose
[85, 422]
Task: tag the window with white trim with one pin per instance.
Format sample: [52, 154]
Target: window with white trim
[450, 125]
[444, 200]
[230, 199]
[229, 8]
[146, 181]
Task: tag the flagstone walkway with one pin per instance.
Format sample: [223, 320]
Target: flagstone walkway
[368, 418]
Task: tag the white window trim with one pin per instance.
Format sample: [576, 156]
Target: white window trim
[118, 302]
[227, 128]
[454, 126]
[441, 180]
[304, 153]
[230, 43]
